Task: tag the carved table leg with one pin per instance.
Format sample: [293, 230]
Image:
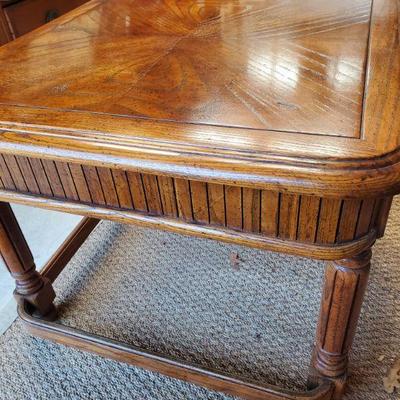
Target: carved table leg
[31, 287]
[344, 287]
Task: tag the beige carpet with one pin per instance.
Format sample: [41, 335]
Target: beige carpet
[182, 296]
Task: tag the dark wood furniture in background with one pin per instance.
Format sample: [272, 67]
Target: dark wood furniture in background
[18, 17]
[270, 124]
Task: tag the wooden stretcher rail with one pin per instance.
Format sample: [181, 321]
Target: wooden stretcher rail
[321, 252]
[133, 355]
[68, 248]
[158, 363]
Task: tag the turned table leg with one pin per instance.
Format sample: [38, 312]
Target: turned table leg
[31, 287]
[344, 287]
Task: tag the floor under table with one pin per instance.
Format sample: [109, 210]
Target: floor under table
[183, 297]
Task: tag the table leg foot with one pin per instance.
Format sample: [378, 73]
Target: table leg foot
[41, 301]
[344, 287]
[31, 287]
[315, 377]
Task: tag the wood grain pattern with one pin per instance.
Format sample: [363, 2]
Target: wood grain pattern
[344, 287]
[183, 199]
[198, 193]
[27, 173]
[168, 196]
[137, 191]
[108, 187]
[366, 217]
[233, 207]
[278, 89]
[122, 189]
[320, 252]
[6, 177]
[67, 180]
[272, 124]
[93, 183]
[216, 202]
[348, 220]
[41, 177]
[152, 193]
[270, 212]
[53, 178]
[15, 172]
[328, 220]
[251, 210]
[307, 219]
[288, 216]
[80, 182]
[242, 106]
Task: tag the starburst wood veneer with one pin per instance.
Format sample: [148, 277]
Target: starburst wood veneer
[272, 124]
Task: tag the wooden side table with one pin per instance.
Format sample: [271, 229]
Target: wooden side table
[270, 124]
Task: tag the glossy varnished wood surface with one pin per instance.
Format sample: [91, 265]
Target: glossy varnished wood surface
[273, 124]
[275, 65]
[299, 97]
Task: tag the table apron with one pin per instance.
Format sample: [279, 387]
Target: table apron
[305, 225]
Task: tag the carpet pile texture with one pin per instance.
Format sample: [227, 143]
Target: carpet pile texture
[184, 297]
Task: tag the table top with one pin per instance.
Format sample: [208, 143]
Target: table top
[293, 95]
